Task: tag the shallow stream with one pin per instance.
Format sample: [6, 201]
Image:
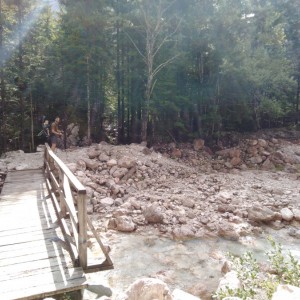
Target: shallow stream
[192, 266]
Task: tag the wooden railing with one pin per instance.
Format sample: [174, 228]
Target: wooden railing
[69, 199]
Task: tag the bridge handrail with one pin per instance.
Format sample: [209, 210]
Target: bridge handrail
[62, 183]
[60, 180]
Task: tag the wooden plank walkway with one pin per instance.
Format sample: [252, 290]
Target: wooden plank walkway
[34, 260]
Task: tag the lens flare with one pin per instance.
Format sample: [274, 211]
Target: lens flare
[19, 34]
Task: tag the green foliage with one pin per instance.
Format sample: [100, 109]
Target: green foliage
[283, 269]
[236, 68]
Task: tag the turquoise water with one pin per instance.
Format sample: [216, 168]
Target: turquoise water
[181, 264]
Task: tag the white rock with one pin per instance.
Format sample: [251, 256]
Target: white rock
[296, 213]
[230, 280]
[286, 292]
[112, 162]
[107, 201]
[147, 289]
[181, 295]
[287, 214]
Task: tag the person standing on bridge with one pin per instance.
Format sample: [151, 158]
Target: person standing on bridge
[55, 133]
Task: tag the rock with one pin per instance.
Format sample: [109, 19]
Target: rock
[72, 167]
[147, 289]
[261, 214]
[190, 203]
[153, 214]
[111, 163]
[268, 165]
[227, 267]
[235, 161]
[119, 172]
[183, 232]
[93, 153]
[227, 231]
[112, 224]
[229, 153]
[200, 290]
[104, 157]
[296, 213]
[287, 214]
[230, 280]
[198, 144]
[181, 295]
[126, 162]
[286, 292]
[176, 153]
[106, 202]
[146, 151]
[91, 164]
[81, 165]
[262, 143]
[125, 224]
[256, 160]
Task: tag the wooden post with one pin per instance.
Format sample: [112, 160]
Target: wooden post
[82, 237]
[63, 210]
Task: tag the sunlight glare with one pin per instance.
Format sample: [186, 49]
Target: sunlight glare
[19, 34]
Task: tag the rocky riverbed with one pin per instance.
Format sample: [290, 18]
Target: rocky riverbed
[187, 192]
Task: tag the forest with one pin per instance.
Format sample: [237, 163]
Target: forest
[148, 70]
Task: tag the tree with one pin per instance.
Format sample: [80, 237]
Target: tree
[156, 26]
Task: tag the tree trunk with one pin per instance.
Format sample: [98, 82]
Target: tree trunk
[297, 99]
[2, 94]
[88, 98]
[21, 71]
[31, 117]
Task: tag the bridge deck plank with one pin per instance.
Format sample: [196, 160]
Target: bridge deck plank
[34, 259]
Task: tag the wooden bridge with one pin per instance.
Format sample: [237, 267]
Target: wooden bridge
[43, 233]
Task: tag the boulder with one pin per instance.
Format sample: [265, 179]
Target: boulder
[111, 163]
[296, 213]
[81, 165]
[153, 214]
[268, 165]
[147, 289]
[286, 292]
[72, 167]
[103, 157]
[176, 153]
[287, 214]
[181, 295]
[256, 159]
[261, 214]
[91, 164]
[124, 224]
[93, 153]
[187, 202]
[227, 231]
[262, 143]
[119, 172]
[235, 161]
[183, 232]
[230, 280]
[106, 202]
[198, 144]
[126, 162]
[229, 153]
